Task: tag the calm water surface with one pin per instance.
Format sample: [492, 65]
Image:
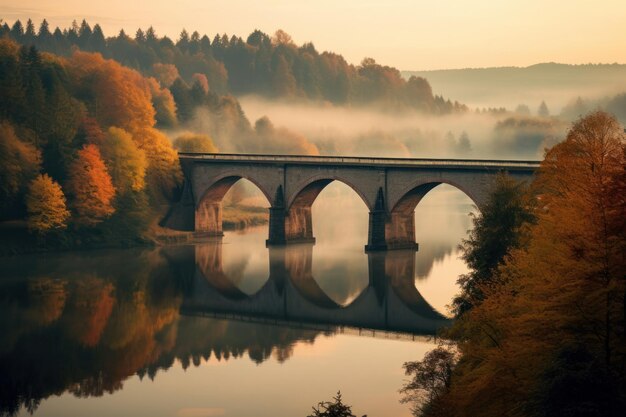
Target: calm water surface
[230, 327]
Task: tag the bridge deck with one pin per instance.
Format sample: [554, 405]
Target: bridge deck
[362, 161]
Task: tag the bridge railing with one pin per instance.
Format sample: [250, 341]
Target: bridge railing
[412, 162]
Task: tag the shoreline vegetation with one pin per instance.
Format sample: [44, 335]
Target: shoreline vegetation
[540, 321]
[16, 240]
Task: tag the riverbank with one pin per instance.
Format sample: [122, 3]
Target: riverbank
[15, 239]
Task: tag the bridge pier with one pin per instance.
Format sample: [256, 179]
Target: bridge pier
[299, 225]
[400, 231]
[208, 221]
[376, 239]
[389, 231]
[296, 226]
[276, 235]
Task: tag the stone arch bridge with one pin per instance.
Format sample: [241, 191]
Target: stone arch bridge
[390, 188]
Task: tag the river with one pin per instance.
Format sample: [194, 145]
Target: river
[230, 327]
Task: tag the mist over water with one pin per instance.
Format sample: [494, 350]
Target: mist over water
[360, 131]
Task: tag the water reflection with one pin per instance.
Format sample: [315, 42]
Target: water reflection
[83, 324]
[389, 301]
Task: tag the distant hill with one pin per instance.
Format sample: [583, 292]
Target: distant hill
[557, 84]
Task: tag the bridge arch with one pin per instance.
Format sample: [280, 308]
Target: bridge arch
[298, 215]
[411, 195]
[400, 223]
[208, 208]
[310, 188]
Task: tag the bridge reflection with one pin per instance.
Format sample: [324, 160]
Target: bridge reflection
[291, 293]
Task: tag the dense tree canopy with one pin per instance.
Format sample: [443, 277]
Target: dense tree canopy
[270, 66]
[89, 124]
[548, 337]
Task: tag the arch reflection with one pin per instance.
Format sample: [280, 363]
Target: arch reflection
[390, 300]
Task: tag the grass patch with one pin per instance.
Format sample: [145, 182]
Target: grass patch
[240, 217]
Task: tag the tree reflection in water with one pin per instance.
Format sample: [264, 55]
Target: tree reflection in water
[85, 323]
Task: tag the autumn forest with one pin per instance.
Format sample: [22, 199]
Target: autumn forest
[90, 130]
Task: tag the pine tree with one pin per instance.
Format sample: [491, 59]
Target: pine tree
[543, 110]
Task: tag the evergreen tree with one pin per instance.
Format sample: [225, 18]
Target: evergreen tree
[334, 408]
[543, 110]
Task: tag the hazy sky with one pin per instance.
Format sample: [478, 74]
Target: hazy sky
[408, 34]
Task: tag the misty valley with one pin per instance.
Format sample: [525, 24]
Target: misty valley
[197, 225]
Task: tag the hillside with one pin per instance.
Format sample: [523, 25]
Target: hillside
[270, 66]
[557, 84]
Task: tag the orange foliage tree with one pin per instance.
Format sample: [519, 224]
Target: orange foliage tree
[90, 186]
[45, 204]
[89, 311]
[19, 163]
[549, 337]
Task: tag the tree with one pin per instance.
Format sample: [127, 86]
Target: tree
[125, 162]
[464, 146]
[497, 229]
[548, 335]
[194, 142]
[332, 409]
[163, 175]
[166, 74]
[44, 30]
[17, 30]
[523, 110]
[543, 110]
[163, 103]
[283, 81]
[19, 164]
[282, 38]
[45, 204]
[90, 187]
[202, 80]
[29, 32]
[430, 380]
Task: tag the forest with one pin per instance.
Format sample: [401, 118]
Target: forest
[272, 66]
[540, 325]
[90, 125]
[81, 158]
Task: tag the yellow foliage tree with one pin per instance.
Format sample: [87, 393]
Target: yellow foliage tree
[163, 168]
[45, 204]
[194, 142]
[91, 187]
[126, 163]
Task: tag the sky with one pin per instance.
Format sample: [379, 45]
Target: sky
[406, 34]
